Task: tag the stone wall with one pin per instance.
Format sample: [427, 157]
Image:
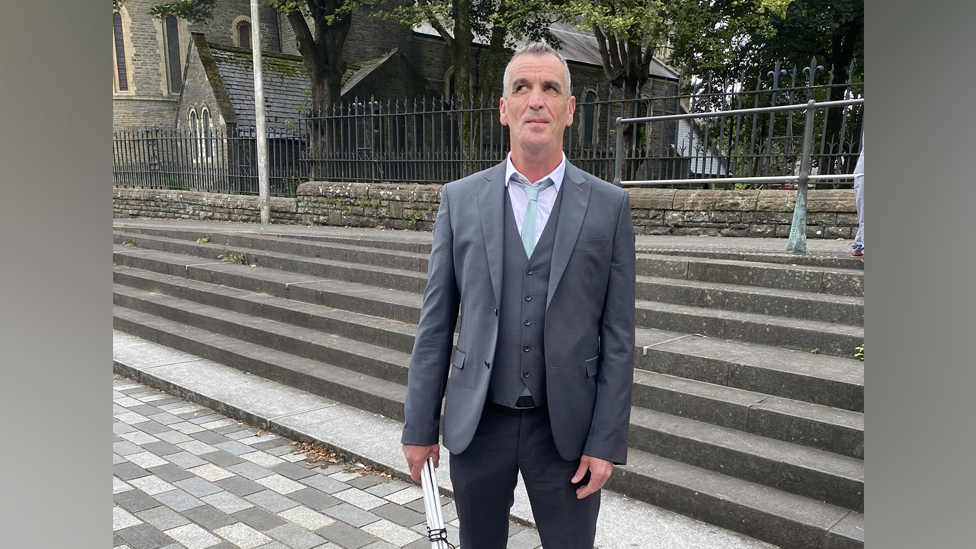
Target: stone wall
[761, 214]
[391, 206]
[830, 213]
[173, 204]
[139, 113]
[221, 27]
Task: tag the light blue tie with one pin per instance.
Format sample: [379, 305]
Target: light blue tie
[528, 222]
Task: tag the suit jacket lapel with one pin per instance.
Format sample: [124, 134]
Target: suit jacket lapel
[576, 193]
[491, 205]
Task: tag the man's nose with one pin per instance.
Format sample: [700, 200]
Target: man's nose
[536, 99]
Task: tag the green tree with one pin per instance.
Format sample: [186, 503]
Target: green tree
[720, 36]
[628, 32]
[460, 23]
[832, 31]
[738, 41]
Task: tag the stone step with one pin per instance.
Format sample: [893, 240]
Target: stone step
[348, 251]
[802, 376]
[390, 254]
[339, 294]
[404, 241]
[826, 338]
[789, 333]
[787, 520]
[849, 282]
[829, 381]
[365, 392]
[732, 408]
[379, 331]
[383, 277]
[830, 308]
[809, 259]
[762, 512]
[386, 398]
[824, 476]
[360, 357]
[812, 425]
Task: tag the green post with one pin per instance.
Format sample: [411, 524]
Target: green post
[798, 230]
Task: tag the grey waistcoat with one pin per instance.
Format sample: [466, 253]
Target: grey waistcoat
[522, 314]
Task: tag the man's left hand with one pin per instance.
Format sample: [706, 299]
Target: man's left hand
[599, 473]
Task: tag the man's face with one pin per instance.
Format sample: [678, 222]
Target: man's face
[537, 106]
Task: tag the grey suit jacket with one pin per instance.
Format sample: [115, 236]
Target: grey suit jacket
[589, 331]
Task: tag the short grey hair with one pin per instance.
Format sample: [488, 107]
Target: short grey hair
[537, 48]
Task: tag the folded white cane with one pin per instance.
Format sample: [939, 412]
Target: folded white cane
[436, 532]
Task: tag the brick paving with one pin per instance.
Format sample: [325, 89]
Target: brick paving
[187, 477]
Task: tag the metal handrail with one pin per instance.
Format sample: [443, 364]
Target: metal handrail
[797, 242]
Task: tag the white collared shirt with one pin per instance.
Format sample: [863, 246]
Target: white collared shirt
[545, 202]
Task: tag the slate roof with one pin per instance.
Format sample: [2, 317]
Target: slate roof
[351, 79]
[284, 79]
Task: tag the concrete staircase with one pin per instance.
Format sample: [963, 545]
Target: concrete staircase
[747, 404]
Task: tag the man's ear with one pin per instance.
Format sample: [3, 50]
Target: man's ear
[502, 111]
[572, 109]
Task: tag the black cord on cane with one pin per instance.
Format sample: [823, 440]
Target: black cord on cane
[439, 534]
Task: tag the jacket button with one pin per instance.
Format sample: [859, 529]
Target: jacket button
[528, 322]
[526, 348]
[528, 272]
[528, 297]
[496, 312]
[487, 365]
[526, 374]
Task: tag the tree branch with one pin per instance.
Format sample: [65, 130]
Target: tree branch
[431, 18]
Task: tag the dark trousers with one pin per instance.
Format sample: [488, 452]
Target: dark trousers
[485, 474]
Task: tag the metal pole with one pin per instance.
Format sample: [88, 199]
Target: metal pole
[798, 231]
[617, 157]
[261, 135]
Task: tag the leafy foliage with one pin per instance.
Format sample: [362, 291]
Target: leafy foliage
[190, 10]
[726, 36]
[460, 23]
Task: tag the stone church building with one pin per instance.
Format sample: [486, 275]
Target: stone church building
[172, 73]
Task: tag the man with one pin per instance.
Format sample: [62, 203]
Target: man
[857, 249]
[538, 257]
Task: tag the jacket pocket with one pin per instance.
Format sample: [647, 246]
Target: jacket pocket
[592, 244]
[592, 366]
[458, 359]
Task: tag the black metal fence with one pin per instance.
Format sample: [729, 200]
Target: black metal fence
[436, 141]
[216, 161]
[752, 136]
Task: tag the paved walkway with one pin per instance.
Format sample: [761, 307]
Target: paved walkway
[187, 477]
[193, 459]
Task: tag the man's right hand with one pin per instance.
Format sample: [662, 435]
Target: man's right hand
[417, 455]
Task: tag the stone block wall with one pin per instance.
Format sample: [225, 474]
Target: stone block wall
[174, 204]
[761, 214]
[138, 113]
[221, 27]
[391, 206]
